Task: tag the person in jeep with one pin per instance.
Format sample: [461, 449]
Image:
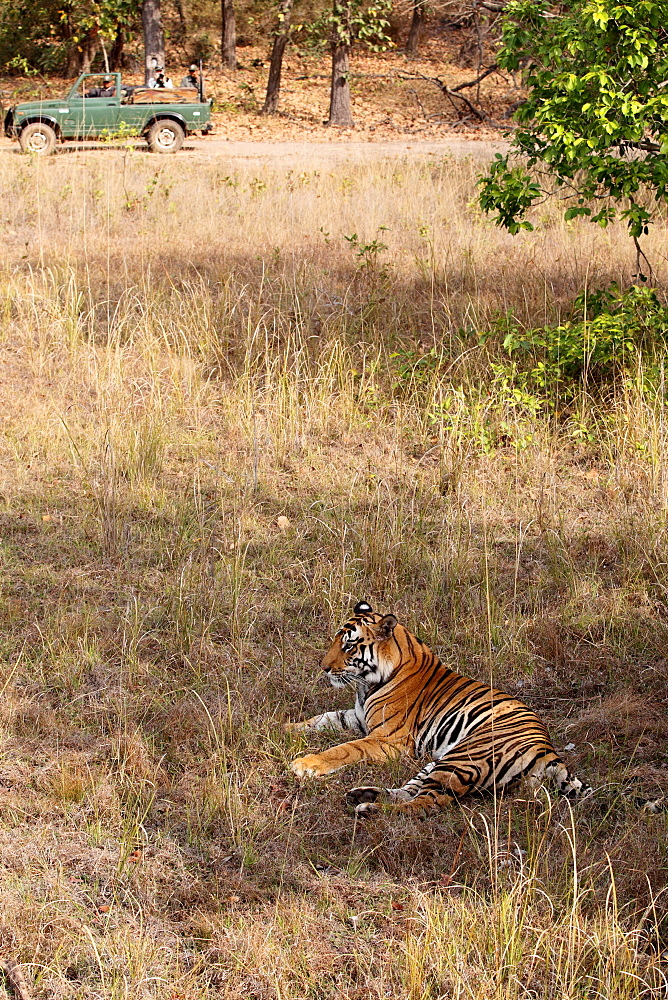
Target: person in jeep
[191, 81]
[106, 90]
[160, 80]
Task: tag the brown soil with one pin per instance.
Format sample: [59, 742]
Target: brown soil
[391, 99]
[282, 152]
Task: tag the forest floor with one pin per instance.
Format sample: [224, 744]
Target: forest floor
[393, 97]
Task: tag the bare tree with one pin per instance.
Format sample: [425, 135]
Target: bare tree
[183, 27]
[229, 36]
[339, 100]
[116, 54]
[89, 46]
[415, 30]
[276, 64]
[154, 37]
[73, 64]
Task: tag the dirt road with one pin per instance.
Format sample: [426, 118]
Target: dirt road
[295, 153]
[337, 152]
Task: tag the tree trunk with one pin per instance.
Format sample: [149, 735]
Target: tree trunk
[72, 62]
[105, 55]
[229, 38]
[154, 37]
[72, 54]
[276, 64]
[339, 100]
[116, 53]
[183, 27]
[413, 40]
[89, 48]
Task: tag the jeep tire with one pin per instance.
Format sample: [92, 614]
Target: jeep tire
[37, 137]
[165, 136]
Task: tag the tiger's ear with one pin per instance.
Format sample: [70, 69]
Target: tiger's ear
[362, 608]
[385, 626]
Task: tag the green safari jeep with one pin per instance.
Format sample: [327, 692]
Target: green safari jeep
[100, 106]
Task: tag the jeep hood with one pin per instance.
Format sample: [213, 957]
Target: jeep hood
[39, 105]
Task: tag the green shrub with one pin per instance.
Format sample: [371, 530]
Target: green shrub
[610, 333]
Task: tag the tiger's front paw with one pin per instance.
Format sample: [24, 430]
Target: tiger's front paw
[295, 727]
[358, 796]
[311, 765]
[366, 809]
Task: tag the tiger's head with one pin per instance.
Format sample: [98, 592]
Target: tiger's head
[362, 652]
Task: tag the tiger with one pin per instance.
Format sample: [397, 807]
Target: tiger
[411, 704]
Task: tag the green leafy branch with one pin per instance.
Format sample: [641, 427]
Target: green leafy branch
[596, 116]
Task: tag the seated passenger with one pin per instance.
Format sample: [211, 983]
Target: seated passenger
[160, 81]
[191, 81]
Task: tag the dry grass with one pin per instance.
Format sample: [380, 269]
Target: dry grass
[190, 354]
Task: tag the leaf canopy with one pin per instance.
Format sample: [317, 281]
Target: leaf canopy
[596, 117]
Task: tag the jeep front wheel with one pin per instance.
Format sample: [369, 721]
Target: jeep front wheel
[38, 138]
[165, 136]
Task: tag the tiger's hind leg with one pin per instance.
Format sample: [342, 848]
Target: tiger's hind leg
[436, 786]
[482, 761]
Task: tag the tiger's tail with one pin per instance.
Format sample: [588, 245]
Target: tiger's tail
[575, 790]
[652, 806]
[566, 783]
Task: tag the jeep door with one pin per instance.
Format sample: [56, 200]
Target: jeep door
[133, 117]
[88, 115]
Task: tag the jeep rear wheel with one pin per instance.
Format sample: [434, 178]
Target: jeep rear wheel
[38, 138]
[165, 136]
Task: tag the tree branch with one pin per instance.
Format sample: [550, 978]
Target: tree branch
[641, 253]
[646, 145]
[472, 83]
[16, 979]
[451, 92]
